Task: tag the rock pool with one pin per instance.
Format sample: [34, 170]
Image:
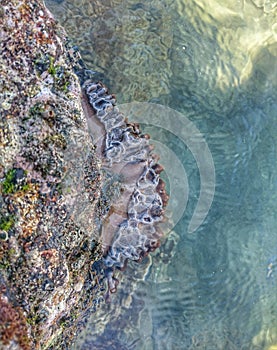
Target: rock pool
[215, 63]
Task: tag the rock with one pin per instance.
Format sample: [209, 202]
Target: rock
[64, 200]
[50, 185]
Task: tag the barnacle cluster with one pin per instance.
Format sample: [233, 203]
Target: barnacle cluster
[13, 326]
[130, 230]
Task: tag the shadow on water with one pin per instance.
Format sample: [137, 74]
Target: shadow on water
[216, 64]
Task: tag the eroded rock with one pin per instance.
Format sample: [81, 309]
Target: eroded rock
[50, 184]
[73, 207]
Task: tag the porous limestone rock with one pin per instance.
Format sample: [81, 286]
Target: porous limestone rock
[49, 185]
[66, 198]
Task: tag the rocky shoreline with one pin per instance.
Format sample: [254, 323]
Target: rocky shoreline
[48, 235]
[54, 196]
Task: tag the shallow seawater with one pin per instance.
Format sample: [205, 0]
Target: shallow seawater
[215, 62]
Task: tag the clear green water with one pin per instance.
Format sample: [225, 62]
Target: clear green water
[216, 63]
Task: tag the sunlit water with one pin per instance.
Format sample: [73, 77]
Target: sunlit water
[215, 62]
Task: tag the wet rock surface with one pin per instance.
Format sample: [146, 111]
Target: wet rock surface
[50, 186]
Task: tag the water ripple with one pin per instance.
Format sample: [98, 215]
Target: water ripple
[215, 61]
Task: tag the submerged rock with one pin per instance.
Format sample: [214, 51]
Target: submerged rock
[130, 229]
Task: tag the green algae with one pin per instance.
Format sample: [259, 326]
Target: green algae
[8, 185]
[7, 223]
[37, 110]
[12, 184]
[52, 69]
